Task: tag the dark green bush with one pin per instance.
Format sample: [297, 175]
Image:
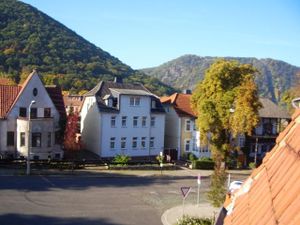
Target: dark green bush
[121, 160]
[203, 163]
[187, 220]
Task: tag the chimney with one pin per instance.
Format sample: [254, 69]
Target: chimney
[187, 91]
[118, 80]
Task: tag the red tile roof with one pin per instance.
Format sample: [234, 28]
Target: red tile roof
[8, 94]
[6, 81]
[271, 195]
[181, 103]
[56, 96]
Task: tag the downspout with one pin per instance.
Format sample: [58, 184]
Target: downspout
[179, 139]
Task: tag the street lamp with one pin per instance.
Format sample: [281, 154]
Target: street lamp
[28, 148]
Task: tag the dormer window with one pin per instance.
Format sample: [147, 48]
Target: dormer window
[134, 101]
[109, 101]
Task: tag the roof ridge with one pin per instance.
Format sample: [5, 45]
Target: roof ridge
[22, 89]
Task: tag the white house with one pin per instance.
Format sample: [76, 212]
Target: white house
[119, 118]
[40, 127]
[180, 128]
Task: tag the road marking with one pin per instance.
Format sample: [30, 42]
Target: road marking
[47, 181]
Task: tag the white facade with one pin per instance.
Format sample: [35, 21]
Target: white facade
[133, 129]
[42, 129]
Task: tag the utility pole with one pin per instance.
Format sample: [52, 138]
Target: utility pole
[29, 139]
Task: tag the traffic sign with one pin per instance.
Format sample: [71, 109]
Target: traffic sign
[185, 191]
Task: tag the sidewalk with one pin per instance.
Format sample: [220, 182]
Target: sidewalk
[204, 210]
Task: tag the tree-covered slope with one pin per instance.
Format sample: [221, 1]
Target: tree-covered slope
[31, 39]
[273, 79]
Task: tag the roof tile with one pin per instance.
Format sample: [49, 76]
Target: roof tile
[274, 196]
[181, 103]
[8, 94]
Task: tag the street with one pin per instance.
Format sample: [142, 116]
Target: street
[79, 200]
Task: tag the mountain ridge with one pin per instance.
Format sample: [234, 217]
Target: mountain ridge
[184, 72]
[30, 39]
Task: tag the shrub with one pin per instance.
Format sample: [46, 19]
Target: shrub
[187, 220]
[192, 157]
[252, 165]
[121, 160]
[203, 163]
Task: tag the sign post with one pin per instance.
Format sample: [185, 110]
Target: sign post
[185, 192]
[199, 183]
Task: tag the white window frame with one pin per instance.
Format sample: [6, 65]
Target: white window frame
[144, 121]
[113, 121]
[112, 143]
[187, 142]
[151, 143]
[135, 101]
[124, 121]
[135, 121]
[143, 142]
[187, 125]
[152, 123]
[134, 142]
[123, 142]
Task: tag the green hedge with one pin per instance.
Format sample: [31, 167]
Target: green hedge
[204, 164]
[187, 220]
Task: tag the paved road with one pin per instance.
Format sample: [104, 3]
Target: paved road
[45, 200]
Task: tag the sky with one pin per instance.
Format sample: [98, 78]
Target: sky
[148, 33]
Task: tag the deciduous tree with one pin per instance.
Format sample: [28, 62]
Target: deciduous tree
[227, 104]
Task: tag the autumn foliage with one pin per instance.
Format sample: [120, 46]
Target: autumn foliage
[72, 129]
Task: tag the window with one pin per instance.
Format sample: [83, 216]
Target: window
[134, 142]
[187, 145]
[35, 91]
[151, 142]
[113, 121]
[187, 125]
[241, 141]
[135, 121]
[49, 139]
[112, 143]
[47, 112]
[36, 139]
[23, 112]
[10, 138]
[123, 142]
[153, 104]
[22, 139]
[152, 121]
[33, 113]
[144, 121]
[134, 101]
[58, 137]
[124, 118]
[143, 142]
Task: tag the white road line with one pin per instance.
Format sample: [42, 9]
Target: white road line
[47, 181]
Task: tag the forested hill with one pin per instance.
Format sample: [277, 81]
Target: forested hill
[184, 72]
[31, 39]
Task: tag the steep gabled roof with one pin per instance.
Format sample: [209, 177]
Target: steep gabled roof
[271, 195]
[181, 103]
[271, 110]
[55, 94]
[8, 94]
